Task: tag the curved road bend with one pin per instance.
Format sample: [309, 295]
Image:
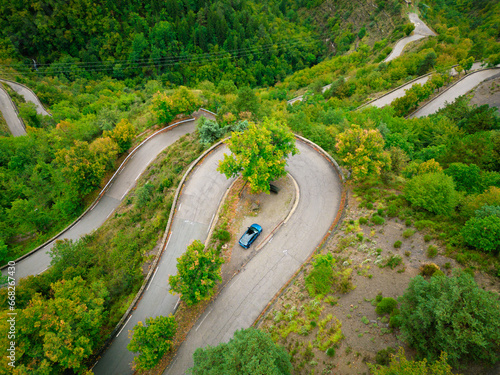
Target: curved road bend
[10, 115]
[460, 88]
[421, 31]
[241, 302]
[28, 95]
[40, 260]
[196, 208]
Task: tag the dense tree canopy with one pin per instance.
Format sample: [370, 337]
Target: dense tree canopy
[451, 314]
[249, 352]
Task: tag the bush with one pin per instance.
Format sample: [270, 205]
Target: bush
[363, 220]
[408, 233]
[377, 220]
[401, 366]
[330, 352]
[383, 356]
[434, 192]
[427, 238]
[397, 244]
[428, 269]
[395, 319]
[431, 251]
[483, 233]
[439, 313]
[386, 306]
[320, 279]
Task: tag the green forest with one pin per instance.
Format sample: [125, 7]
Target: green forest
[111, 74]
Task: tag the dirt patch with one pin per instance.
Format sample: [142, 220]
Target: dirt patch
[378, 268]
[487, 92]
[244, 209]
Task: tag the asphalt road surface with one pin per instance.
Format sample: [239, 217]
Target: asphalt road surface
[241, 302]
[196, 208]
[123, 182]
[421, 31]
[460, 88]
[10, 115]
[28, 95]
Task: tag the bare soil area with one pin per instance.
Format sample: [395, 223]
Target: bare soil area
[378, 268]
[487, 92]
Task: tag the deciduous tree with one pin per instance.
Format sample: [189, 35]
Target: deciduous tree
[363, 151]
[451, 314]
[198, 271]
[249, 352]
[152, 340]
[259, 154]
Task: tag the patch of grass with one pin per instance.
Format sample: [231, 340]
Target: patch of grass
[363, 221]
[407, 253]
[427, 238]
[397, 244]
[392, 262]
[330, 352]
[365, 320]
[383, 356]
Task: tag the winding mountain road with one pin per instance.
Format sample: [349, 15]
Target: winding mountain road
[460, 88]
[39, 261]
[241, 302]
[9, 113]
[421, 31]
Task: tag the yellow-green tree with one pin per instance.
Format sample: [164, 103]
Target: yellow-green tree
[152, 340]
[59, 333]
[198, 271]
[122, 134]
[362, 150]
[259, 154]
[166, 107]
[402, 366]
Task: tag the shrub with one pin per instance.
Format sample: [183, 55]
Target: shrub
[408, 233]
[397, 244]
[401, 366]
[439, 313]
[434, 192]
[431, 251]
[428, 269]
[392, 210]
[363, 220]
[383, 356]
[320, 279]
[483, 233]
[386, 306]
[427, 237]
[395, 319]
[330, 352]
[377, 220]
[393, 261]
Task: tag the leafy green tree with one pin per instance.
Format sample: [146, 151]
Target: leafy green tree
[60, 333]
[466, 64]
[408, 29]
[167, 107]
[427, 63]
[483, 233]
[152, 340]
[29, 114]
[451, 314]
[363, 151]
[259, 154]
[399, 365]
[249, 352]
[3, 251]
[466, 177]
[198, 271]
[122, 134]
[405, 104]
[434, 192]
[246, 101]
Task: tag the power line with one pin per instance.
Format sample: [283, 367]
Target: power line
[196, 59]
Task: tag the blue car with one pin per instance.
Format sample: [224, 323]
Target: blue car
[250, 235]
